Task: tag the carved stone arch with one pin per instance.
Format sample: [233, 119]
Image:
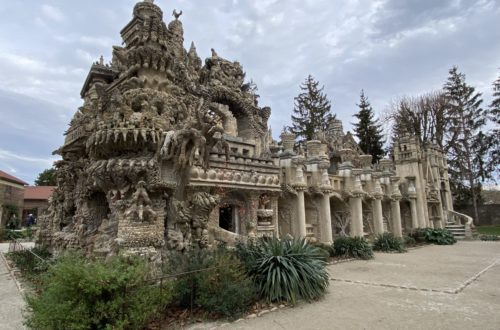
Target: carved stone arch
[241, 109]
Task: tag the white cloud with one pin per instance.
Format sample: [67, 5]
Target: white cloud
[8, 155]
[53, 13]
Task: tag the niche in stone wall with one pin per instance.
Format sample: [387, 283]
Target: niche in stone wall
[238, 123]
[340, 216]
[98, 208]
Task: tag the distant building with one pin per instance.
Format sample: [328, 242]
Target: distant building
[11, 197]
[36, 200]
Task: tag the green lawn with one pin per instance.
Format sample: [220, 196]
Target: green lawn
[489, 230]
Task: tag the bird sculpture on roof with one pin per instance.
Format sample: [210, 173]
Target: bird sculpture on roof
[176, 14]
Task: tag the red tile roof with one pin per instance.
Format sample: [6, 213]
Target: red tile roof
[38, 192]
[6, 176]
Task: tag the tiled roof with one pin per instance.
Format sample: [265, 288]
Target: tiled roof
[10, 178]
[38, 192]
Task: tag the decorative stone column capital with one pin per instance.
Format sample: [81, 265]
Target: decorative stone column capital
[300, 186]
[327, 190]
[396, 197]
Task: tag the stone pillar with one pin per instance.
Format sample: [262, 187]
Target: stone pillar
[300, 186]
[396, 218]
[378, 218]
[301, 213]
[326, 219]
[356, 208]
[395, 208]
[414, 216]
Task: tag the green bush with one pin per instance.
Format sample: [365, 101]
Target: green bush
[435, 236]
[288, 269]
[95, 294]
[213, 280]
[387, 242]
[352, 247]
[489, 238]
[32, 263]
[325, 250]
[409, 241]
[14, 234]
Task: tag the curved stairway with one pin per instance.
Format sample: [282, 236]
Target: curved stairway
[460, 225]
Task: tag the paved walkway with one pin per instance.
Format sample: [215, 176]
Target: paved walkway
[11, 300]
[434, 287]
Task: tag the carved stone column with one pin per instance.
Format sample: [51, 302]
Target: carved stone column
[414, 215]
[378, 217]
[395, 208]
[326, 218]
[356, 208]
[300, 186]
[396, 217]
[301, 211]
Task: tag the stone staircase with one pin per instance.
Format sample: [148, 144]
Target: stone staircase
[460, 225]
[458, 231]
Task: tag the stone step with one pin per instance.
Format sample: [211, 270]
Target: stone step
[454, 226]
[458, 231]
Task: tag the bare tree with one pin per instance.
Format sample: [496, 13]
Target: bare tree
[422, 115]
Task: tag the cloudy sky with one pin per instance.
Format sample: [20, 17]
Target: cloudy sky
[389, 48]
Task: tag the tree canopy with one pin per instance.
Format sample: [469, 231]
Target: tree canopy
[311, 111]
[46, 178]
[368, 130]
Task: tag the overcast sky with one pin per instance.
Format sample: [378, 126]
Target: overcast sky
[389, 48]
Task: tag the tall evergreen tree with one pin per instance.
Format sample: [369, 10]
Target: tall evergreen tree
[311, 111]
[495, 118]
[466, 143]
[368, 130]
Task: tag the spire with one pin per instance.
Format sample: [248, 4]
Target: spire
[193, 57]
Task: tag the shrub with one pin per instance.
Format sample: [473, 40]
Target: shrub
[489, 238]
[12, 234]
[409, 241]
[288, 269]
[32, 263]
[213, 280]
[95, 294]
[387, 242]
[439, 236]
[325, 250]
[352, 247]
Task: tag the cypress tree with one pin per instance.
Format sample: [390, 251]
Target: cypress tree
[311, 111]
[368, 130]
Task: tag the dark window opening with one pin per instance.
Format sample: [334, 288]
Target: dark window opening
[226, 218]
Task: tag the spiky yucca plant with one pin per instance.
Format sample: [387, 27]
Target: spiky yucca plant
[288, 269]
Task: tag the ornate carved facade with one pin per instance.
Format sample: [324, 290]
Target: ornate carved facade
[168, 152]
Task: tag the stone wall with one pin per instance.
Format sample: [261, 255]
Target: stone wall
[488, 214]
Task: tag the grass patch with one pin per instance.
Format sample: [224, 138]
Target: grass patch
[488, 230]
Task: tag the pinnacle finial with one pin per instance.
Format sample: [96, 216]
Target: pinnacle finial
[150, 1]
[101, 60]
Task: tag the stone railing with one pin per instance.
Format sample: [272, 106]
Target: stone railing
[461, 219]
